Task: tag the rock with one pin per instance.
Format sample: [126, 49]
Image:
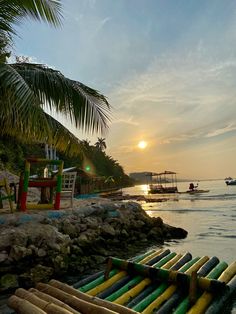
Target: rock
[93, 222]
[69, 228]
[107, 230]
[138, 224]
[3, 256]
[175, 233]
[36, 274]
[158, 222]
[8, 281]
[98, 259]
[155, 233]
[18, 252]
[41, 253]
[124, 233]
[83, 227]
[77, 240]
[75, 249]
[60, 263]
[83, 240]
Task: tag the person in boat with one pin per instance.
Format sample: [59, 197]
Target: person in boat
[192, 187]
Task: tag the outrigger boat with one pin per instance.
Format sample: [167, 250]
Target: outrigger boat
[166, 183]
[195, 191]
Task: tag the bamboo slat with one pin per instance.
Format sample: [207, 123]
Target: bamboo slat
[22, 306]
[49, 298]
[115, 307]
[126, 297]
[46, 306]
[79, 304]
[203, 302]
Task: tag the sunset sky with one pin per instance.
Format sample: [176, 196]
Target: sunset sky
[168, 68]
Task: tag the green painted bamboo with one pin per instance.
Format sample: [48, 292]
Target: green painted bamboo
[215, 273]
[138, 258]
[97, 281]
[113, 272]
[210, 285]
[151, 297]
[137, 279]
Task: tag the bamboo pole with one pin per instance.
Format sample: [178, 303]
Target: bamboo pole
[49, 298]
[210, 285]
[22, 306]
[71, 291]
[114, 307]
[48, 307]
[84, 306]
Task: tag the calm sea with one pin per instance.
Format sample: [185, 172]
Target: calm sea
[209, 218]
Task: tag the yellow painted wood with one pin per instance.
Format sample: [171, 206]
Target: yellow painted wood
[141, 285]
[118, 276]
[107, 283]
[204, 301]
[171, 289]
[151, 256]
[39, 206]
[173, 261]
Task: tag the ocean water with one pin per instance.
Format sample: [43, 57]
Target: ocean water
[209, 218]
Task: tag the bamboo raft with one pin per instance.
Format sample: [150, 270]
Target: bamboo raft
[156, 282]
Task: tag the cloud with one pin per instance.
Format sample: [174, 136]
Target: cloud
[176, 95]
[129, 120]
[101, 24]
[220, 131]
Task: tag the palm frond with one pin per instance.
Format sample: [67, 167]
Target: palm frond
[19, 107]
[87, 108]
[50, 131]
[62, 139]
[12, 12]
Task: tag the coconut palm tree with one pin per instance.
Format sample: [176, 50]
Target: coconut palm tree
[27, 89]
[101, 144]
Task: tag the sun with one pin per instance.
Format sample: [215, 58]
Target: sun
[142, 144]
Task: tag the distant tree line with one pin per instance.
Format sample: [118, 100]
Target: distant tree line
[93, 165]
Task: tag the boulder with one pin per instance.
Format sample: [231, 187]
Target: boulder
[36, 274]
[18, 252]
[8, 281]
[3, 256]
[107, 230]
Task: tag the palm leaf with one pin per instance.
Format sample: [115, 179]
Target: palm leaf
[12, 12]
[62, 139]
[86, 107]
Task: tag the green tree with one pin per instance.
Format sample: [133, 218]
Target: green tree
[101, 144]
[27, 89]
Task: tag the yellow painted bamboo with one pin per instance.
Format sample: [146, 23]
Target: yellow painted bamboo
[151, 256]
[145, 282]
[49, 298]
[8, 192]
[21, 306]
[115, 307]
[81, 305]
[106, 284]
[39, 206]
[173, 261]
[171, 289]
[204, 301]
[118, 276]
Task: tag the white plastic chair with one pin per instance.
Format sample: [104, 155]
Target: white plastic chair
[68, 185]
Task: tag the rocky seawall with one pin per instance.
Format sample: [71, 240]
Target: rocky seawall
[43, 245]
